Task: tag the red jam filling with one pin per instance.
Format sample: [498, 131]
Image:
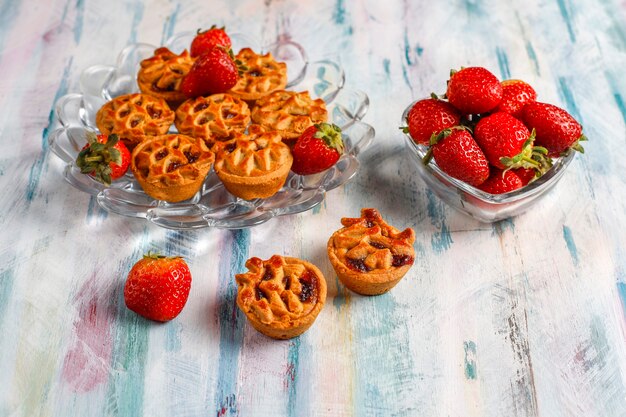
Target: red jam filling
[400, 260]
[378, 245]
[358, 265]
[308, 281]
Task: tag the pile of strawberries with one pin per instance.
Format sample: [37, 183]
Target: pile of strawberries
[215, 70]
[492, 135]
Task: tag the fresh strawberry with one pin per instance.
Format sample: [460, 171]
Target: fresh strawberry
[209, 39]
[507, 143]
[500, 182]
[429, 117]
[555, 128]
[458, 155]
[213, 72]
[474, 90]
[317, 149]
[526, 175]
[515, 95]
[103, 157]
[157, 287]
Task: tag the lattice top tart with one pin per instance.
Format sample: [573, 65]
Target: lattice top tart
[369, 255]
[289, 112]
[282, 296]
[161, 75]
[171, 167]
[263, 75]
[134, 116]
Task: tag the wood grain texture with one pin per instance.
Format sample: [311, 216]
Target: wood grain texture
[525, 317]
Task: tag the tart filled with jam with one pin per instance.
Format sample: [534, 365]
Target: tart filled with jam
[133, 117]
[281, 296]
[171, 167]
[369, 256]
[161, 75]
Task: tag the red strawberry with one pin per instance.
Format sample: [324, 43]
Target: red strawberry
[157, 287]
[515, 95]
[556, 129]
[429, 117]
[209, 39]
[103, 157]
[507, 143]
[458, 155]
[500, 182]
[474, 90]
[213, 72]
[317, 149]
[527, 175]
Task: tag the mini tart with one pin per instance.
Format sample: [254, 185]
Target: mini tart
[171, 167]
[289, 112]
[263, 75]
[133, 117]
[370, 256]
[254, 166]
[162, 74]
[212, 118]
[281, 297]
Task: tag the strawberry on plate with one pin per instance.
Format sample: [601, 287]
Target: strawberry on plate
[429, 117]
[103, 157]
[500, 182]
[458, 155]
[474, 90]
[317, 149]
[555, 128]
[157, 287]
[507, 143]
[209, 39]
[515, 95]
[214, 72]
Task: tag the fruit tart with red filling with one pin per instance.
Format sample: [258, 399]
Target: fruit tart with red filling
[281, 296]
[369, 256]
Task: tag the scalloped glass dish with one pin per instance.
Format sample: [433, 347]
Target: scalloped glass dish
[485, 207]
[212, 206]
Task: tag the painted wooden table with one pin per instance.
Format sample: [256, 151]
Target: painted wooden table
[525, 317]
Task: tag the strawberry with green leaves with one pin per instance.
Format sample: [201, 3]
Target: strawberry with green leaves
[474, 90]
[555, 128]
[500, 182]
[157, 287]
[457, 154]
[213, 72]
[515, 95]
[429, 117]
[103, 157]
[317, 149]
[507, 143]
[209, 39]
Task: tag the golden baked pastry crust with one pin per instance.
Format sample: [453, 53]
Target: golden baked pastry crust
[282, 296]
[162, 74]
[263, 75]
[289, 112]
[171, 167]
[370, 256]
[133, 117]
[212, 118]
[253, 166]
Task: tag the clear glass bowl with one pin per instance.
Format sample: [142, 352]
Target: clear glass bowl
[212, 206]
[486, 207]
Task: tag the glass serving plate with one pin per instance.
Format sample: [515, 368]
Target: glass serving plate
[212, 206]
[486, 207]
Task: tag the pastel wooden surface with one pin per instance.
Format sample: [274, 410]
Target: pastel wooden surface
[526, 317]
